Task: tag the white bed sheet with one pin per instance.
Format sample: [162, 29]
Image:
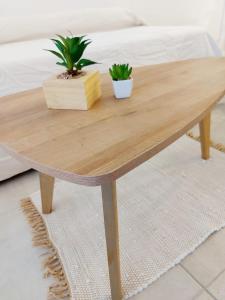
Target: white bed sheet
[25, 65]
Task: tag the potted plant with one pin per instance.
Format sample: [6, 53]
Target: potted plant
[122, 80]
[75, 88]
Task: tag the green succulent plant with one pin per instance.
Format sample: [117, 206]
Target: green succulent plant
[120, 72]
[70, 51]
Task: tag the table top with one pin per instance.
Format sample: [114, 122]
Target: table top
[102, 144]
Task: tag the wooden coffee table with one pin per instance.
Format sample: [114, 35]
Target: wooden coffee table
[99, 146]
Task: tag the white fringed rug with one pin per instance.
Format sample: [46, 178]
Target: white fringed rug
[167, 207]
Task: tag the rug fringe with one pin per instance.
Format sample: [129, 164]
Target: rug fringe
[218, 146]
[52, 264]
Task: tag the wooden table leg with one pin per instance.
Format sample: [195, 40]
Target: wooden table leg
[204, 127]
[47, 189]
[112, 237]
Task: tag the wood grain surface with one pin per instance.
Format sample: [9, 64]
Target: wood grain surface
[100, 145]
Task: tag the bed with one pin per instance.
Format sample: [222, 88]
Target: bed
[25, 65]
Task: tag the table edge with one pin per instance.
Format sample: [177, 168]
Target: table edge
[117, 173]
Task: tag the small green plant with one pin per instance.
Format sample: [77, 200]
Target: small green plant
[120, 72]
[70, 51]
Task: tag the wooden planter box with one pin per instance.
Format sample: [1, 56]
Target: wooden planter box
[75, 93]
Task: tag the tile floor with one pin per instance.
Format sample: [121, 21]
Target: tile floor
[201, 276]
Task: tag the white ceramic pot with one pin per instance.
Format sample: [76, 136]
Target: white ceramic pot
[123, 88]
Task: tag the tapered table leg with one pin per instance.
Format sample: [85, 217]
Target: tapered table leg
[47, 189]
[204, 127]
[112, 238]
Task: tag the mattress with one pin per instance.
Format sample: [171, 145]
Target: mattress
[25, 65]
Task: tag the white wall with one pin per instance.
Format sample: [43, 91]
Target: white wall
[24, 7]
[173, 12]
[157, 11]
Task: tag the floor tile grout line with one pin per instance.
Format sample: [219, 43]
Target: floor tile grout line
[217, 276]
[199, 294]
[199, 283]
